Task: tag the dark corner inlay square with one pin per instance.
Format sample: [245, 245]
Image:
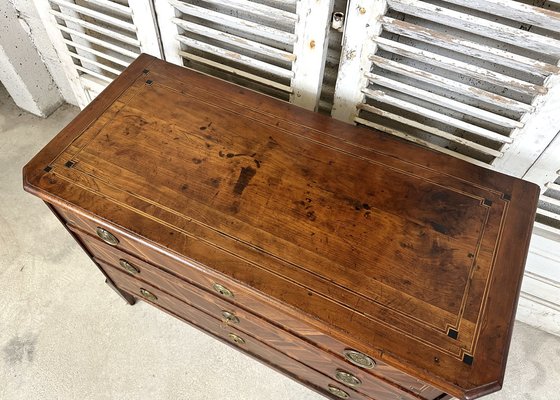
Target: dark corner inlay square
[47, 168]
[506, 196]
[149, 81]
[452, 333]
[468, 359]
[146, 71]
[487, 202]
[69, 164]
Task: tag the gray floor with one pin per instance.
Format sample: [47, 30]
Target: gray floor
[65, 335]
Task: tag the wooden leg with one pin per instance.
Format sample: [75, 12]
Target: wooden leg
[126, 297]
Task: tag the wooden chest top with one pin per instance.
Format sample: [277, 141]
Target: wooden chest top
[410, 255]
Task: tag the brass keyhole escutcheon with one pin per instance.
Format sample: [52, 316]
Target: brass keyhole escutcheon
[338, 392]
[107, 236]
[148, 295]
[129, 267]
[224, 291]
[236, 339]
[230, 317]
[347, 378]
[359, 359]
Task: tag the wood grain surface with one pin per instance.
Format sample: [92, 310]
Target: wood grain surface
[407, 255]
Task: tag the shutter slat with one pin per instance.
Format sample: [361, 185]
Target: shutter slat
[100, 42]
[90, 72]
[97, 64]
[97, 28]
[450, 64]
[112, 6]
[444, 101]
[516, 11]
[236, 71]
[480, 26]
[393, 101]
[234, 40]
[470, 48]
[233, 22]
[96, 14]
[97, 53]
[422, 142]
[258, 10]
[236, 57]
[451, 85]
[431, 130]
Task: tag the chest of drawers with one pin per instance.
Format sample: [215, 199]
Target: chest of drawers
[362, 266]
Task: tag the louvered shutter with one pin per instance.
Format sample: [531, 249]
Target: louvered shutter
[464, 77]
[277, 47]
[97, 39]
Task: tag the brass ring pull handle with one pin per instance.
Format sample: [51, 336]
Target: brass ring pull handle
[107, 236]
[129, 267]
[236, 339]
[347, 378]
[224, 291]
[359, 359]
[230, 317]
[148, 295]
[338, 392]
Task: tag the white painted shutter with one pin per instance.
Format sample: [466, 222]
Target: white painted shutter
[539, 304]
[464, 77]
[97, 39]
[277, 47]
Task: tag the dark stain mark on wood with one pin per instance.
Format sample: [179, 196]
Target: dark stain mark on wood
[215, 182]
[197, 160]
[311, 215]
[257, 163]
[245, 176]
[440, 228]
[184, 187]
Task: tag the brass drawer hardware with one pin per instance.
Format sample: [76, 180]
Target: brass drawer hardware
[107, 236]
[359, 359]
[236, 339]
[224, 291]
[230, 317]
[148, 295]
[347, 378]
[129, 267]
[338, 392]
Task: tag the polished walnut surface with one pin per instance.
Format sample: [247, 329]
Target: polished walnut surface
[407, 255]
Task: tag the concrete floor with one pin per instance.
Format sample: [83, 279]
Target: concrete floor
[65, 335]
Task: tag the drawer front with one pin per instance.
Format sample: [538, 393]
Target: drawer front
[208, 279]
[239, 339]
[246, 322]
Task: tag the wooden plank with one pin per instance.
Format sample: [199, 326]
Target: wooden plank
[483, 27]
[362, 22]
[477, 130]
[536, 139]
[236, 71]
[469, 48]
[444, 101]
[312, 31]
[236, 57]
[234, 40]
[431, 130]
[451, 85]
[237, 23]
[96, 14]
[517, 11]
[464, 68]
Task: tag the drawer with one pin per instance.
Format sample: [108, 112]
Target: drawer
[246, 322]
[241, 340]
[194, 273]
